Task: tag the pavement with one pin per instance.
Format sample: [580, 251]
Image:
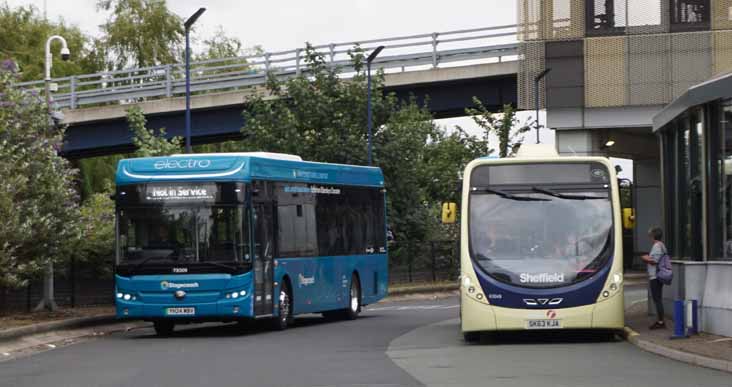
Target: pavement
[703, 349]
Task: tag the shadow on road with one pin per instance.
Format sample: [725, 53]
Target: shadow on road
[239, 329]
[547, 337]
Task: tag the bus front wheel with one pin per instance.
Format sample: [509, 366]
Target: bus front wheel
[284, 318]
[164, 328]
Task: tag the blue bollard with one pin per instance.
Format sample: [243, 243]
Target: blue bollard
[693, 310]
[679, 320]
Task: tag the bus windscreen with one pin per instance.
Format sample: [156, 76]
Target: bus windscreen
[538, 237]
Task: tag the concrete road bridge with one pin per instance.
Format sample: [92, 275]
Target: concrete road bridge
[449, 67]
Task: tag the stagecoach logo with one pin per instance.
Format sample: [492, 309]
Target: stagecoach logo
[182, 163]
[165, 285]
[305, 281]
[542, 278]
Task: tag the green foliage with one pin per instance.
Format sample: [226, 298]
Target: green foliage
[149, 143]
[504, 125]
[38, 205]
[221, 45]
[141, 33]
[96, 229]
[323, 118]
[23, 34]
[97, 174]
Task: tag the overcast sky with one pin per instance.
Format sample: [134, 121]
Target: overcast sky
[287, 24]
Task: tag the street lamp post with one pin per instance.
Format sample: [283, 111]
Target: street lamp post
[48, 301]
[369, 119]
[537, 79]
[188, 23]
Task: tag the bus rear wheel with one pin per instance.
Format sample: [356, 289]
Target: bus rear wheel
[164, 328]
[354, 299]
[354, 304]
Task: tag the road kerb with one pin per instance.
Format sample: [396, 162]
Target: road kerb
[80, 322]
[634, 338]
[424, 289]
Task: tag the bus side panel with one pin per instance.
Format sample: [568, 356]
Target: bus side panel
[322, 283]
[373, 271]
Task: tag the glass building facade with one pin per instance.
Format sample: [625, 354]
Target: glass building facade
[695, 133]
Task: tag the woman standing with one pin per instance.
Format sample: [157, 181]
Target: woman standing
[651, 259]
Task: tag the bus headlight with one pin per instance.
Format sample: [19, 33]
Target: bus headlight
[614, 286]
[126, 296]
[466, 282]
[236, 294]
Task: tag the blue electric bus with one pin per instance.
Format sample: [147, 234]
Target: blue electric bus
[241, 236]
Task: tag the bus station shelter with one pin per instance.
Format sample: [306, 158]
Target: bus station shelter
[695, 133]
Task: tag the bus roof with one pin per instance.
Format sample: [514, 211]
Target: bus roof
[223, 167]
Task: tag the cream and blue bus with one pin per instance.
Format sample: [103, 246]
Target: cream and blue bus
[541, 244]
[243, 236]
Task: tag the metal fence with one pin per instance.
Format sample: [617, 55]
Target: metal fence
[401, 53]
[76, 284]
[436, 261]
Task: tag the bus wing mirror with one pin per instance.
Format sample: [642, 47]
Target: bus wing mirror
[628, 218]
[449, 213]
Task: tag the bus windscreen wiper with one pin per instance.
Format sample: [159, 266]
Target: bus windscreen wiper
[221, 265]
[507, 195]
[565, 196]
[146, 260]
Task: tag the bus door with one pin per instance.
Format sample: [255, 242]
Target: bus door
[263, 258]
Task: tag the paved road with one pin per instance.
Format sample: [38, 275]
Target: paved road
[398, 344]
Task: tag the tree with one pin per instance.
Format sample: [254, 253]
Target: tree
[96, 241]
[149, 143]
[221, 45]
[323, 117]
[141, 33]
[38, 204]
[23, 34]
[504, 125]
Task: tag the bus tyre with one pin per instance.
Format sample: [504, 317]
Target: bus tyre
[164, 328]
[471, 337]
[354, 299]
[284, 319]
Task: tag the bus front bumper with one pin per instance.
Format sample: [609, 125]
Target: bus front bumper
[223, 310]
[606, 314]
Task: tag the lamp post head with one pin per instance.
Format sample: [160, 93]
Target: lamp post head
[191, 20]
[374, 54]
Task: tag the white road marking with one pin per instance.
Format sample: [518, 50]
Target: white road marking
[414, 307]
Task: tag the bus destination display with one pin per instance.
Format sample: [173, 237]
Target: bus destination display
[180, 193]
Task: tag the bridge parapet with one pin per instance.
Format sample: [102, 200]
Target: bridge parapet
[402, 53]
